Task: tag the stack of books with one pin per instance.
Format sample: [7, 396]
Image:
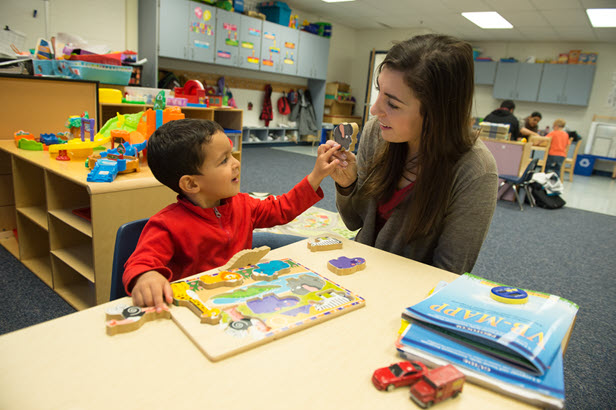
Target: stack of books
[506, 339]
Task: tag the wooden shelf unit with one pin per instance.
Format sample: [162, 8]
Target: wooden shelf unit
[229, 118]
[69, 253]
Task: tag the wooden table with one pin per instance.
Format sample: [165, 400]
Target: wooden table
[71, 363]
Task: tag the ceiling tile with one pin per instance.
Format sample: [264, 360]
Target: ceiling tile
[556, 4]
[525, 18]
[506, 5]
[606, 34]
[460, 6]
[567, 17]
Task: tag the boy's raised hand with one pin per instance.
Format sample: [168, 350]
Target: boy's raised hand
[345, 172]
[152, 289]
[324, 165]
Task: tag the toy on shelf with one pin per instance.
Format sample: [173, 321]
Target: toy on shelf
[345, 134]
[122, 318]
[193, 91]
[346, 266]
[21, 134]
[62, 155]
[104, 167]
[324, 243]
[437, 385]
[398, 374]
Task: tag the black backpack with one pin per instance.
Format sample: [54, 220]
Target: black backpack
[543, 200]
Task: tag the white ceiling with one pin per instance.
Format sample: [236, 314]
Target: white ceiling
[533, 20]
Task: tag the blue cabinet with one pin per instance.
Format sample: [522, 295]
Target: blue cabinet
[312, 56]
[173, 30]
[227, 38]
[566, 84]
[485, 72]
[251, 32]
[278, 49]
[517, 81]
[201, 29]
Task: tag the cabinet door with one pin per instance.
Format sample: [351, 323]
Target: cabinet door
[505, 82]
[173, 35]
[201, 27]
[307, 49]
[485, 72]
[270, 47]
[579, 84]
[527, 86]
[227, 38]
[288, 50]
[552, 83]
[250, 42]
[321, 56]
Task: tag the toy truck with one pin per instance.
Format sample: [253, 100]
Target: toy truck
[437, 385]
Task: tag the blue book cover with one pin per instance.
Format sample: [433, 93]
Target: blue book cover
[433, 348]
[525, 328]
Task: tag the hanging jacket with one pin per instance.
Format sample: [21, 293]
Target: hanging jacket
[266, 112]
[303, 114]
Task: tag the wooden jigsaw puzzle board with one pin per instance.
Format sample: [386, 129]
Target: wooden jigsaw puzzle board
[258, 312]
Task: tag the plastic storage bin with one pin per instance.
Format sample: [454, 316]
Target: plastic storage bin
[276, 12]
[105, 73]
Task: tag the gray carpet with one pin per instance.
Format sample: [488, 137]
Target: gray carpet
[567, 252]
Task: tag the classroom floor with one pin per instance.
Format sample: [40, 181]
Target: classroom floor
[595, 193]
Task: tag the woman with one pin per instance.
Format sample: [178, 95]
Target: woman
[422, 185]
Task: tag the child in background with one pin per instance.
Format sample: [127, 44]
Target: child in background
[211, 221]
[558, 148]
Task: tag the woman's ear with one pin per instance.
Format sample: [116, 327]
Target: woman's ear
[188, 184]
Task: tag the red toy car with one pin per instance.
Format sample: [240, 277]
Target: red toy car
[398, 374]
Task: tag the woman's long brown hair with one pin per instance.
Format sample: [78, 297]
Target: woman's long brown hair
[439, 70]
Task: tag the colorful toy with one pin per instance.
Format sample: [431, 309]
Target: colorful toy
[437, 385]
[345, 134]
[122, 318]
[257, 311]
[398, 374]
[21, 134]
[108, 164]
[346, 266]
[324, 243]
[193, 91]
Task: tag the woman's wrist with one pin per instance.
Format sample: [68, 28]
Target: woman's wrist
[347, 189]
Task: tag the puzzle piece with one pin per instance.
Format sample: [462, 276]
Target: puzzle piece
[345, 134]
[324, 243]
[183, 295]
[245, 257]
[270, 270]
[346, 266]
[123, 318]
[223, 278]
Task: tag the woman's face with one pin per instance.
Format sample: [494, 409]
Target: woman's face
[397, 109]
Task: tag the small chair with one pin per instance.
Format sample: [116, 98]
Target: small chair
[125, 244]
[569, 162]
[522, 181]
[541, 144]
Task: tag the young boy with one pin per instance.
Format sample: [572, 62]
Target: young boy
[558, 148]
[211, 221]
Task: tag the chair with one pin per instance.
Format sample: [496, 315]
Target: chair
[569, 162]
[540, 144]
[125, 244]
[522, 181]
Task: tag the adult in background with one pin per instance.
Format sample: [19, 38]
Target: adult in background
[531, 125]
[422, 185]
[504, 115]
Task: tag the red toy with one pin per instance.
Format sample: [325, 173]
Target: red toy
[437, 385]
[398, 374]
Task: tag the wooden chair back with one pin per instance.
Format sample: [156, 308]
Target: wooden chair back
[540, 144]
[569, 163]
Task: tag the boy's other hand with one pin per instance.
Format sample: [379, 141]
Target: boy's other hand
[152, 289]
[345, 172]
[324, 165]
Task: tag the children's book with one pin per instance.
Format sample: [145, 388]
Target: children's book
[507, 338]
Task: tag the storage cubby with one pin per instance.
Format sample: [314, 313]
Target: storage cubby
[29, 191]
[34, 248]
[71, 246]
[72, 286]
[63, 197]
[269, 135]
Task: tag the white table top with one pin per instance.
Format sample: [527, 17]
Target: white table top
[71, 363]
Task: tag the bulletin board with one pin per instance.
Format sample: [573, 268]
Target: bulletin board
[376, 58]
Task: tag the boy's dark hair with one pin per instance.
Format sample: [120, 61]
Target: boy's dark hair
[175, 149]
[536, 114]
[508, 104]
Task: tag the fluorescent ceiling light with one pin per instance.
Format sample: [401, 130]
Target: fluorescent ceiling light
[488, 19]
[335, 1]
[602, 17]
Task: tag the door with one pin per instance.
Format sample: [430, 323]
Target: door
[270, 47]
[251, 30]
[201, 28]
[173, 34]
[579, 84]
[485, 72]
[552, 83]
[505, 82]
[527, 86]
[288, 50]
[227, 38]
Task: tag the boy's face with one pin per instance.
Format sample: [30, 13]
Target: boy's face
[220, 172]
